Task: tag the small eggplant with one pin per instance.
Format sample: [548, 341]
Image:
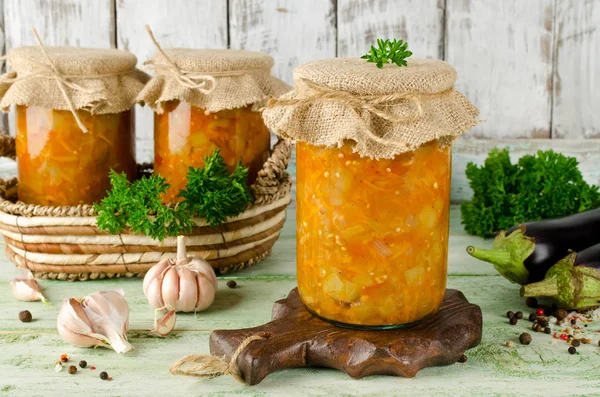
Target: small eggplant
[574, 282]
[524, 253]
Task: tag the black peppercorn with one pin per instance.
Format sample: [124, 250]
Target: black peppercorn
[547, 330]
[542, 322]
[575, 343]
[231, 284]
[572, 350]
[510, 314]
[72, 369]
[561, 314]
[462, 359]
[519, 315]
[83, 363]
[531, 302]
[573, 322]
[525, 338]
[513, 321]
[103, 375]
[532, 317]
[25, 316]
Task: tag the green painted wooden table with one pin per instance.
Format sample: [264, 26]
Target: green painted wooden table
[29, 351]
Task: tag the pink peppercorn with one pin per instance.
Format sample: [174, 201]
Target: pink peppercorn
[540, 312]
[564, 337]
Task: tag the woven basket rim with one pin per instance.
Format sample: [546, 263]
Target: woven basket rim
[271, 184]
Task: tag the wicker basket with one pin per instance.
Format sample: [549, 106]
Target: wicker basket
[64, 243]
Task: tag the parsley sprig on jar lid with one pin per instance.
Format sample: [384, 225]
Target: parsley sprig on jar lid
[373, 141]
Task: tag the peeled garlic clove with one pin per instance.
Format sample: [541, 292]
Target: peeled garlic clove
[188, 291]
[154, 272]
[26, 289]
[164, 325]
[170, 287]
[206, 292]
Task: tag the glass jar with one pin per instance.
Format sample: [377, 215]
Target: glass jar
[184, 135]
[372, 235]
[59, 164]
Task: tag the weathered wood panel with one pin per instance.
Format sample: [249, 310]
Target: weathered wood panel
[476, 150]
[175, 23]
[420, 22]
[577, 70]
[292, 32]
[502, 51]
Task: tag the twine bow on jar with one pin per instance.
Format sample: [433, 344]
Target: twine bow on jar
[208, 366]
[372, 104]
[205, 83]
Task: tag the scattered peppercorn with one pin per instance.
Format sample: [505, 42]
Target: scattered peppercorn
[542, 322]
[58, 367]
[547, 330]
[25, 316]
[525, 338]
[509, 343]
[575, 343]
[531, 302]
[510, 314]
[540, 312]
[103, 375]
[83, 363]
[572, 350]
[564, 337]
[64, 358]
[532, 317]
[462, 359]
[561, 314]
[72, 369]
[513, 321]
[573, 322]
[519, 315]
[586, 341]
[92, 368]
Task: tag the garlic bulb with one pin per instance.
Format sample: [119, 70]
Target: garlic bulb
[99, 319]
[164, 325]
[27, 289]
[185, 284]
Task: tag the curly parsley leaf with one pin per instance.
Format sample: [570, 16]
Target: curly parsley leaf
[387, 51]
[542, 186]
[213, 194]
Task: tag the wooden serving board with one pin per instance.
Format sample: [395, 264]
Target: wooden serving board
[296, 338]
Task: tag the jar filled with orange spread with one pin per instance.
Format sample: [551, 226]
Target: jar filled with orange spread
[373, 186]
[207, 100]
[74, 121]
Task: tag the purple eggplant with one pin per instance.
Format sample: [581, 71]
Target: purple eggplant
[573, 283]
[524, 253]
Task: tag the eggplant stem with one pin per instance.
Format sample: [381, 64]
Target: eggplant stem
[547, 287]
[503, 261]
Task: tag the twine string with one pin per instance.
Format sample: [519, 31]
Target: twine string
[205, 83]
[207, 366]
[373, 104]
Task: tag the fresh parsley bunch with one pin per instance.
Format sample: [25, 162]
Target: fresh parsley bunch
[213, 194]
[545, 186]
[388, 51]
[138, 206]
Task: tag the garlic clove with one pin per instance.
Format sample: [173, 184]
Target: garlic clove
[188, 291]
[26, 289]
[75, 338]
[164, 325]
[170, 287]
[155, 272]
[201, 266]
[154, 294]
[71, 314]
[206, 292]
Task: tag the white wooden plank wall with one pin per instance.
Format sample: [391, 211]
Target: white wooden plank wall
[532, 66]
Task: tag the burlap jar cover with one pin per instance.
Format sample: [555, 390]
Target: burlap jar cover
[211, 79]
[96, 80]
[382, 112]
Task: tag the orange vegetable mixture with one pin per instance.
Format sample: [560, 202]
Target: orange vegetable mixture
[59, 164]
[184, 136]
[372, 234]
